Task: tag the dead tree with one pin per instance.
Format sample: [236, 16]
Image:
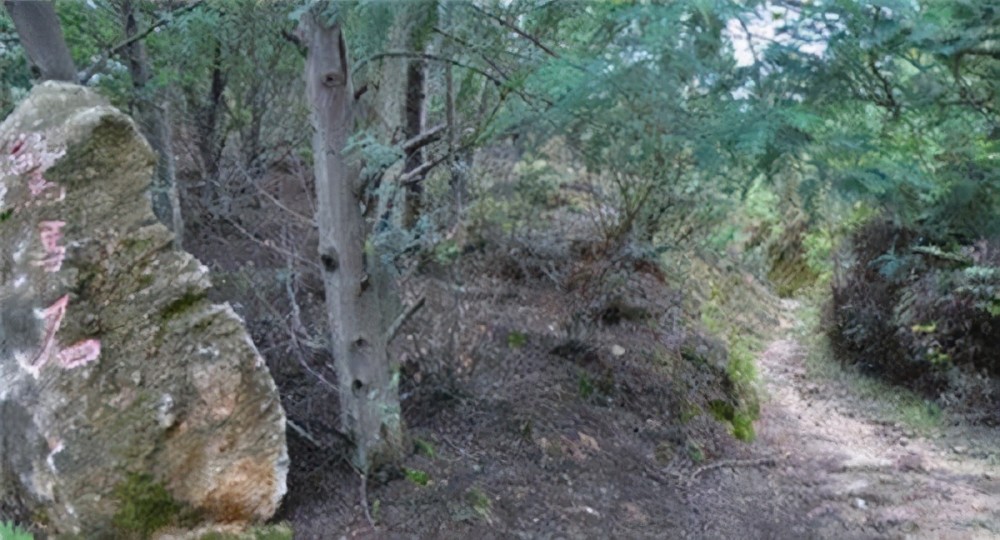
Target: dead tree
[360, 294]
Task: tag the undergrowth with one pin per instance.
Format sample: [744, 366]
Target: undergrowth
[922, 310]
[741, 369]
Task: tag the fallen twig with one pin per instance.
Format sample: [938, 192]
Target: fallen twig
[402, 318]
[303, 433]
[364, 500]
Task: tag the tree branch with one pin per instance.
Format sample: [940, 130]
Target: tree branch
[427, 56]
[294, 40]
[423, 139]
[100, 63]
[992, 53]
[514, 29]
[416, 175]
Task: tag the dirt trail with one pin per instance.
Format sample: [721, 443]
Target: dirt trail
[523, 456]
[841, 472]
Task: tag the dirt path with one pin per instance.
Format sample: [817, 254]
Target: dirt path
[523, 456]
[842, 472]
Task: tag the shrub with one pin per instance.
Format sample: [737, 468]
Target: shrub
[910, 311]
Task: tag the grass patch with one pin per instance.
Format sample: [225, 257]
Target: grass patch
[424, 447]
[584, 386]
[516, 340]
[480, 503]
[742, 409]
[695, 452]
[10, 531]
[280, 531]
[418, 477]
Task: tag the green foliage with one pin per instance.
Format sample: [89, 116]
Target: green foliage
[447, 252]
[418, 477]
[695, 452]
[15, 79]
[182, 305]
[908, 107]
[585, 387]
[516, 340]
[742, 373]
[10, 531]
[144, 506]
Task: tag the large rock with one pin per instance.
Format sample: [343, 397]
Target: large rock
[123, 390]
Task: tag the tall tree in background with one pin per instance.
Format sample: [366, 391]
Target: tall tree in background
[42, 38]
[152, 118]
[412, 26]
[359, 289]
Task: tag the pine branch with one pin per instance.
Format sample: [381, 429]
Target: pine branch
[514, 28]
[103, 60]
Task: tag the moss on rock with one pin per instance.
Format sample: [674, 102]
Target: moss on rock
[144, 507]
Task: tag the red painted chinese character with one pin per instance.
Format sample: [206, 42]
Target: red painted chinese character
[52, 316]
[38, 186]
[80, 354]
[50, 233]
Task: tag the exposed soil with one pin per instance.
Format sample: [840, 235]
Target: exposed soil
[514, 452]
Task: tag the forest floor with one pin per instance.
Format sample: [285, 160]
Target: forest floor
[832, 459]
[527, 428]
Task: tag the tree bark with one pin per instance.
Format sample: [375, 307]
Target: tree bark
[152, 118]
[359, 288]
[398, 110]
[412, 126]
[41, 36]
[209, 141]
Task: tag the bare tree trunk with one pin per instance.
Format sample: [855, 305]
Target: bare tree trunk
[398, 109]
[359, 289]
[152, 118]
[41, 36]
[412, 126]
[252, 145]
[209, 141]
[462, 157]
